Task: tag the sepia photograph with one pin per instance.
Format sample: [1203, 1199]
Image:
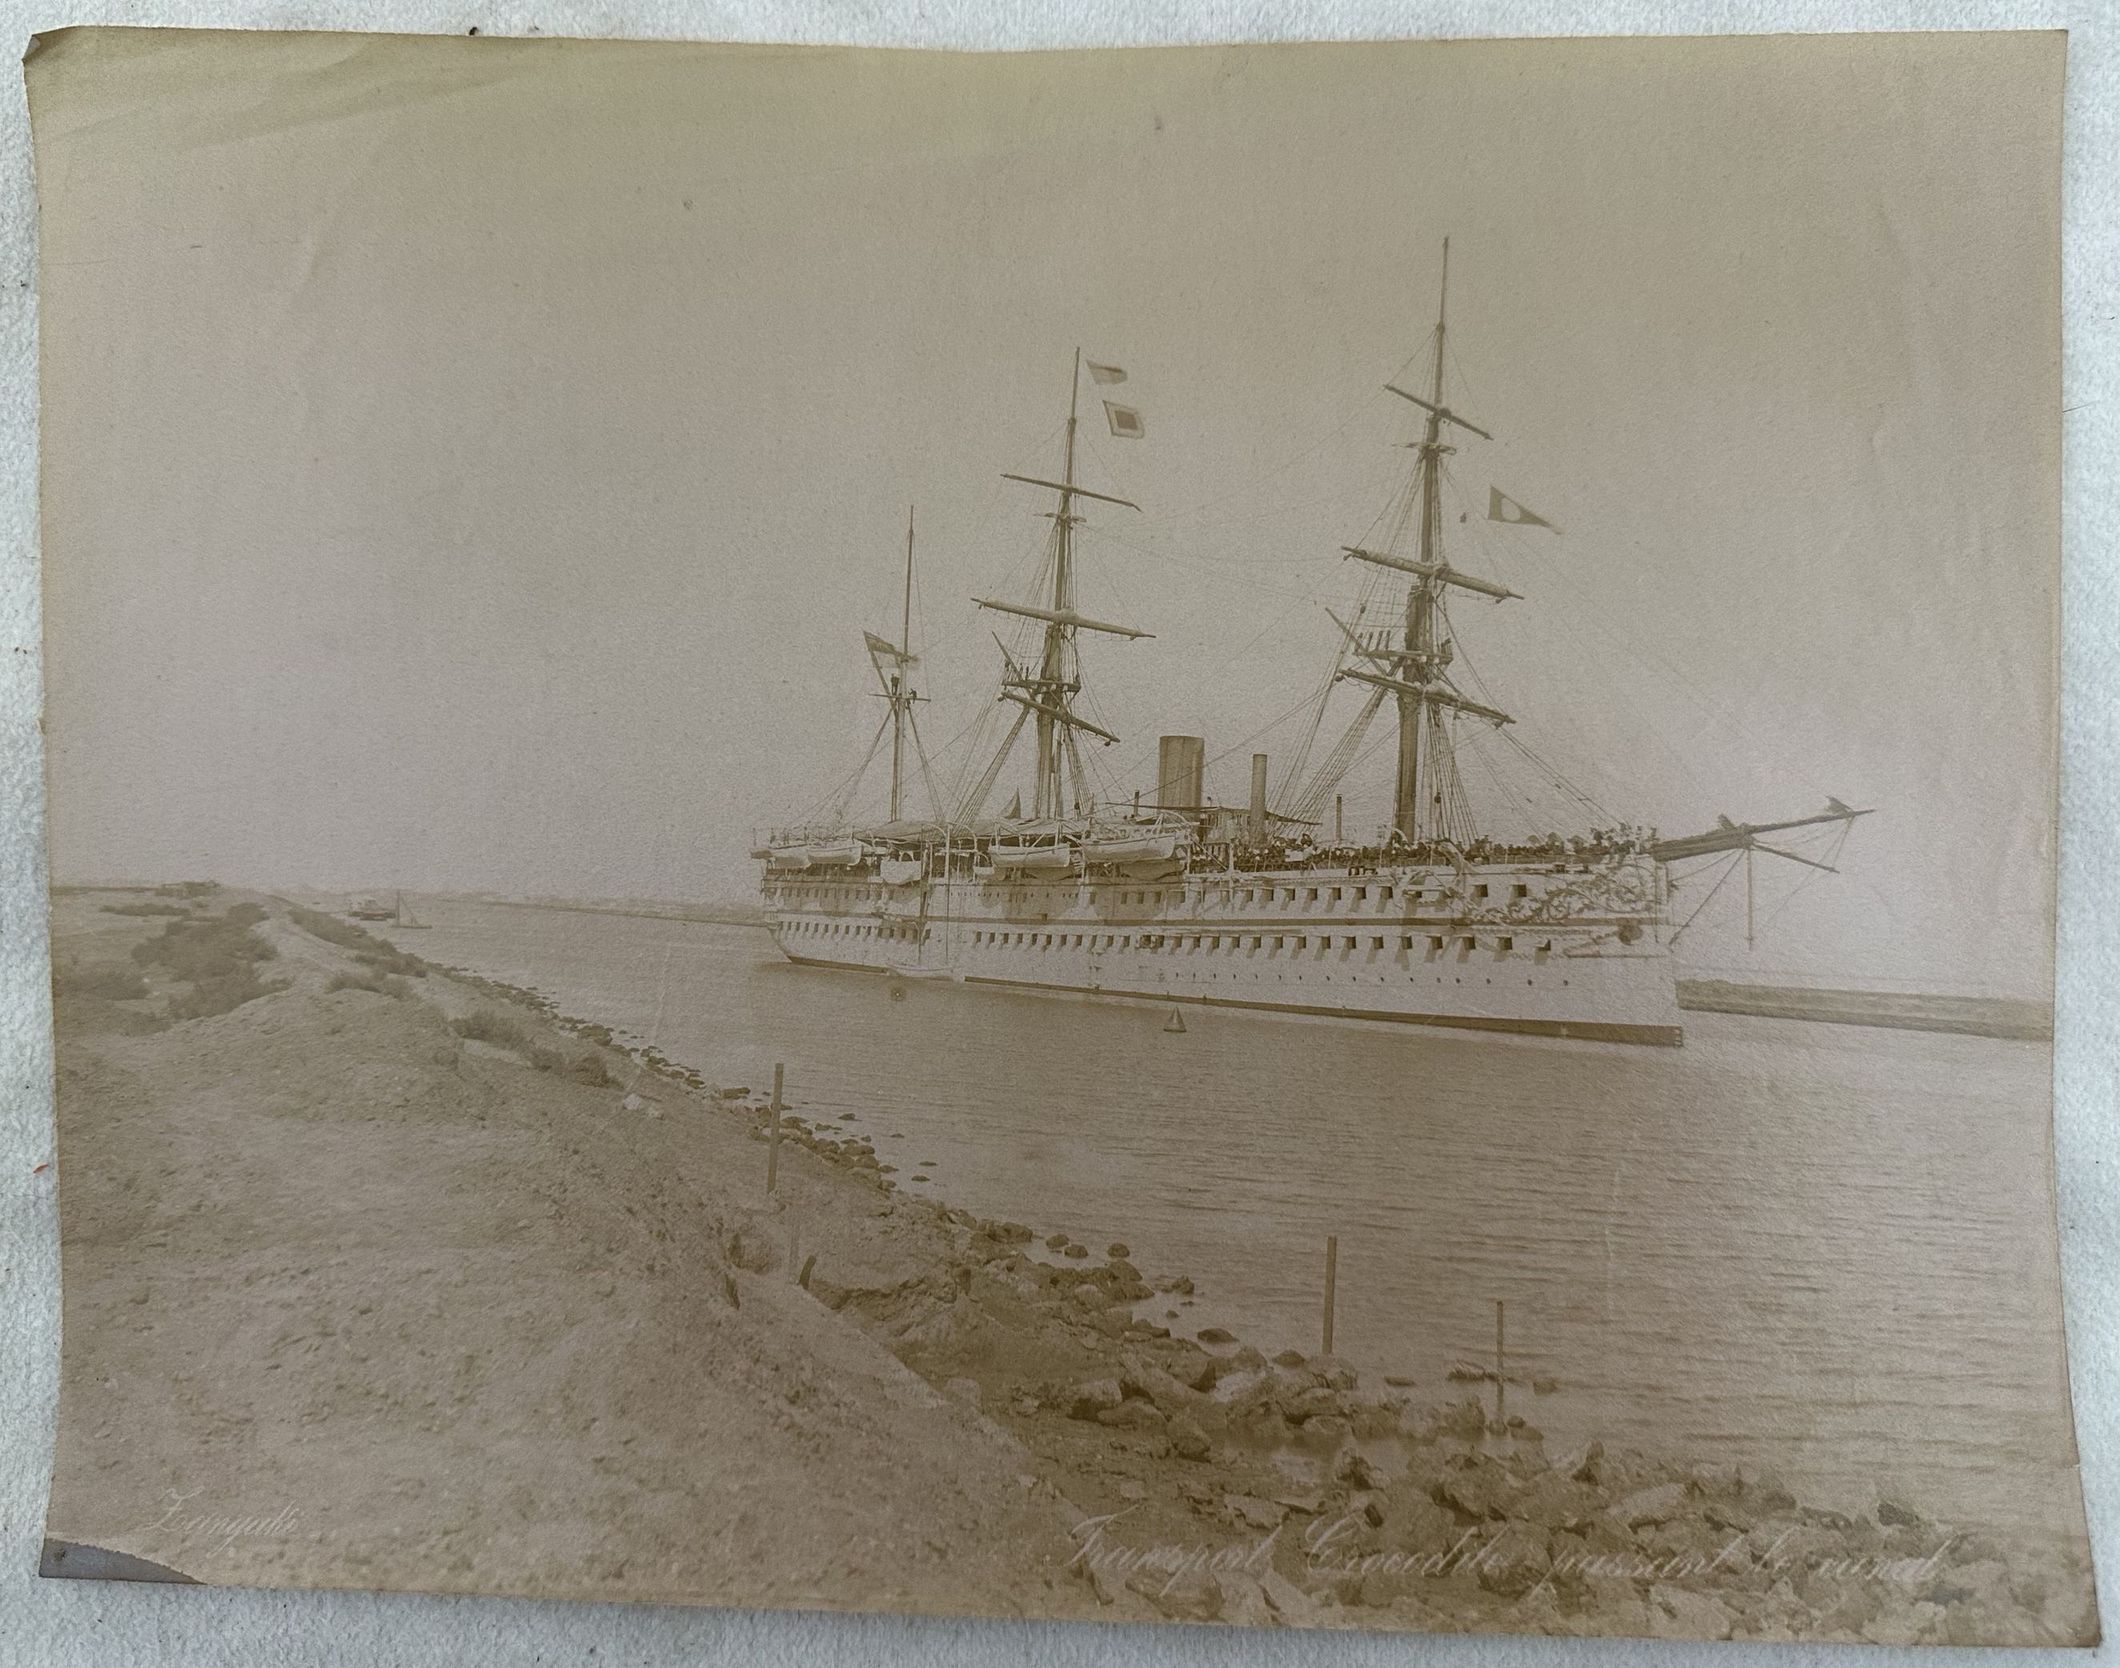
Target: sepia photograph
[1230, 835]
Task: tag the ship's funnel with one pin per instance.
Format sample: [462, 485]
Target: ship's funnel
[1181, 773]
[1255, 823]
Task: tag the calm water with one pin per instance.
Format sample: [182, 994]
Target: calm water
[1825, 1249]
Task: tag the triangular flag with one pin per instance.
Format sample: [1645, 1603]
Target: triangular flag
[1125, 421]
[1501, 507]
[1105, 373]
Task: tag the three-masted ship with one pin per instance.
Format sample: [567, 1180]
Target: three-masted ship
[1432, 922]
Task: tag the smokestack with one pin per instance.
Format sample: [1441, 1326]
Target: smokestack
[1181, 772]
[1255, 824]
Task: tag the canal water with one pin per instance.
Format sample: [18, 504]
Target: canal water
[1827, 1250]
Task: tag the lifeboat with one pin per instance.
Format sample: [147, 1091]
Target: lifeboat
[787, 857]
[1146, 846]
[900, 871]
[1028, 859]
[834, 854]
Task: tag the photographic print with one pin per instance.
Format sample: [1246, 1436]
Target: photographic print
[1254, 835]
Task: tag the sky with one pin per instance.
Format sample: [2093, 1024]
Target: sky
[471, 465]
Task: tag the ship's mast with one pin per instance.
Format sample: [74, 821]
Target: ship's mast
[1046, 692]
[1052, 666]
[1427, 802]
[901, 695]
[1420, 640]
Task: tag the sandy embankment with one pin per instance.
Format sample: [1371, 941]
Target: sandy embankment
[353, 1298]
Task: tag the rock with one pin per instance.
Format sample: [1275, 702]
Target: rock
[1308, 1403]
[1250, 1509]
[1295, 1607]
[1544, 1385]
[1134, 1415]
[1215, 1335]
[1094, 1396]
[1309, 1501]
[1651, 1505]
[1056, 1242]
[1468, 1372]
[1187, 1440]
[1191, 1597]
[1117, 1250]
[1477, 1491]
[1353, 1469]
[1332, 1372]
[1091, 1296]
[1072, 1250]
[1552, 1500]
[1243, 1600]
[1131, 1490]
[1683, 1613]
[1368, 1508]
[964, 1390]
[1230, 1387]
[1289, 1358]
[1399, 1381]
[1329, 1429]
[1896, 1514]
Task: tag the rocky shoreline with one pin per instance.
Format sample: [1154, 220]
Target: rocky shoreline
[1200, 1480]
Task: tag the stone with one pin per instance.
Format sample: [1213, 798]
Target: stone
[1353, 1469]
[1332, 1372]
[1896, 1514]
[1243, 1599]
[1134, 1415]
[1477, 1492]
[1308, 1403]
[1683, 1613]
[1187, 1440]
[1249, 1509]
[1090, 1296]
[1117, 1251]
[1094, 1396]
[1651, 1505]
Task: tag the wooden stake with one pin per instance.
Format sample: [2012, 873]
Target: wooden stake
[1332, 1276]
[1501, 1371]
[773, 1131]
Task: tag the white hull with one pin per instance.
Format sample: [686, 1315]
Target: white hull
[1409, 947]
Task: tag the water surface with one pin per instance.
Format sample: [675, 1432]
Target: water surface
[1824, 1249]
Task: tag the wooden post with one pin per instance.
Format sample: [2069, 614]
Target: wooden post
[1501, 1371]
[1332, 1276]
[773, 1131]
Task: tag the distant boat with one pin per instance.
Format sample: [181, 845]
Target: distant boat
[374, 909]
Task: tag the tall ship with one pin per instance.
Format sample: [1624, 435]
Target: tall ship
[1430, 919]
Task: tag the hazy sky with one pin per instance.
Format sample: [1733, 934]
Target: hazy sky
[471, 464]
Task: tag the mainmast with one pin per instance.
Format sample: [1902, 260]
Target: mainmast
[1047, 691]
[1427, 802]
[900, 692]
[1420, 645]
